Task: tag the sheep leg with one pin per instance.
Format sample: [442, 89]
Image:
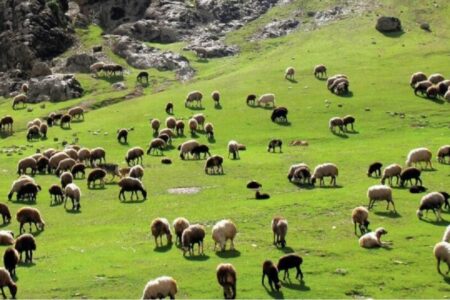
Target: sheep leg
[232, 244]
[387, 207]
[286, 272]
[3, 293]
[31, 256]
[439, 266]
[262, 280]
[299, 273]
[355, 228]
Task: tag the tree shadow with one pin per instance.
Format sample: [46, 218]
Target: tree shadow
[292, 80]
[196, 257]
[274, 293]
[388, 214]
[228, 253]
[296, 286]
[164, 248]
[338, 134]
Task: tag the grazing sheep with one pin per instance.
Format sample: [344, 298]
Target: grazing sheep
[160, 288]
[27, 163]
[221, 232]
[166, 138]
[293, 168]
[96, 67]
[432, 92]
[10, 260]
[375, 168]
[419, 155]
[226, 277]
[436, 78]
[380, 193]
[446, 198]
[320, 71]
[251, 99]
[168, 132]
[194, 96]
[33, 133]
[43, 130]
[54, 161]
[171, 122]
[194, 234]
[124, 172]
[200, 118]
[193, 125]
[393, 170]
[5, 213]
[408, 174]
[73, 192]
[372, 239]
[216, 97]
[214, 164]
[78, 168]
[6, 237]
[273, 144]
[446, 237]
[155, 123]
[134, 156]
[28, 191]
[290, 261]
[336, 122]
[421, 87]
[30, 215]
[137, 172]
[302, 175]
[201, 149]
[433, 201]
[325, 170]
[271, 271]
[112, 169]
[261, 196]
[417, 77]
[360, 216]
[169, 108]
[84, 155]
[122, 135]
[289, 73]
[76, 112]
[18, 184]
[6, 280]
[279, 228]
[21, 98]
[333, 79]
[94, 175]
[65, 121]
[443, 87]
[6, 123]
[179, 225]
[233, 148]
[180, 128]
[186, 148]
[66, 178]
[348, 119]
[156, 144]
[415, 189]
[24, 88]
[160, 227]
[266, 99]
[133, 185]
[443, 152]
[64, 165]
[25, 243]
[57, 193]
[209, 129]
[279, 114]
[254, 185]
[442, 253]
[97, 154]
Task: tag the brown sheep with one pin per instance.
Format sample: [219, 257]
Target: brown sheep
[6, 123]
[155, 125]
[76, 112]
[94, 175]
[78, 168]
[65, 121]
[122, 134]
[33, 133]
[156, 144]
[216, 97]
[26, 243]
[97, 154]
[10, 260]
[6, 215]
[27, 163]
[359, 216]
[289, 73]
[43, 130]
[171, 122]
[179, 225]
[180, 128]
[169, 108]
[417, 77]
[160, 227]
[66, 178]
[320, 70]
[226, 276]
[57, 193]
[30, 215]
[134, 156]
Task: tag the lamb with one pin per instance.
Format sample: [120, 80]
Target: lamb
[155, 123]
[215, 95]
[134, 156]
[43, 130]
[18, 184]
[33, 133]
[53, 162]
[336, 122]
[348, 119]
[266, 99]
[169, 108]
[360, 216]
[408, 174]
[279, 228]
[133, 185]
[302, 175]
[10, 260]
[261, 196]
[6, 237]
[226, 277]
[21, 98]
[200, 118]
[171, 122]
[194, 234]
[320, 70]
[290, 261]
[65, 121]
[159, 227]
[432, 92]
[97, 154]
[179, 225]
[251, 99]
[137, 172]
[197, 151]
[443, 152]
[28, 191]
[160, 288]
[289, 73]
[76, 112]
[194, 96]
[6, 123]
[233, 148]
[436, 78]
[78, 168]
[380, 193]
[57, 192]
[193, 125]
[393, 170]
[446, 198]
[209, 129]
[27, 163]
[433, 201]
[417, 77]
[66, 178]
[221, 232]
[6, 280]
[214, 164]
[325, 170]
[271, 271]
[294, 167]
[64, 165]
[419, 155]
[186, 148]
[279, 114]
[442, 253]
[372, 239]
[180, 128]
[73, 192]
[421, 87]
[273, 144]
[5, 213]
[375, 168]
[25, 243]
[122, 135]
[30, 215]
[94, 175]
[156, 144]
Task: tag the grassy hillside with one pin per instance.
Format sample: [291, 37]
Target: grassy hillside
[106, 250]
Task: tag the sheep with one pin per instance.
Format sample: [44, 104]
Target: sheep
[266, 99]
[66, 178]
[432, 92]
[273, 144]
[194, 234]
[408, 174]
[6, 123]
[442, 253]
[169, 108]
[57, 192]
[6, 280]
[25, 243]
[271, 271]
[21, 98]
[332, 79]
[64, 165]
[73, 153]
[193, 125]
[30, 215]
[17, 185]
[134, 156]
[166, 138]
[180, 128]
[6, 237]
[279, 114]
[226, 277]
[294, 167]
[10, 260]
[97, 154]
[443, 87]
[136, 172]
[221, 232]
[289, 73]
[49, 152]
[433, 201]
[374, 168]
[94, 175]
[78, 168]
[447, 95]
[320, 70]
[65, 121]
[159, 227]
[27, 163]
[133, 185]
[261, 196]
[155, 123]
[76, 112]
[417, 77]
[73, 192]
[442, 153]
[302, 175]
[325, 170]
[360, 216]
[96, 67]
[168, 132]
[348, 119]
[415, 189]
[122, 135]
[421, 87]
[446, 237]
[112, 169]
[215, 95]
[186, 148]
[53, 162]
[393, 170]
[214, 164]
[436, 78]
[5, 213]
[372, 239]
[194, 96]
[179, 225]
[28, 191]
[336, 122]
[33, 133]
[279, 229]
[166, 161]
[446, 198]
[254, 185]
[160, 287]
[171, 122]
[251, 99]
[290, 261]
[156, 144]
[24, 88]
[141, 76]
[124, 172]
[197, 151]
[233, 149]
[43, 130]
[380, 193]
[200, 118]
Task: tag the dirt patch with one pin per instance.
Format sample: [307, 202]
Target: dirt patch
[184, 190]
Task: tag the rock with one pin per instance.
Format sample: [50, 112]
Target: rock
[118, 86]
[56, 87]
[79, 63]
[40, 69]
[213, 48]
[277, 28]
[425, 26]
[388, 24]
[148, 30]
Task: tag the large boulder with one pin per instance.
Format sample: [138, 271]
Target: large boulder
[40, 69]
[148, 30]
[278, 28]
[79, 63]
[55, 88]
[388, 24]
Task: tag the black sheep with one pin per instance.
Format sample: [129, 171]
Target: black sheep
[201, 149]
[271, 271]
[446, 197]
[415, 189]
[279, 114]
[29, 190]
[122, 135]
[261, 196]
[408, 174]
[251, 99]
[169, 108]
[290, 261]
[375, 168]
[142, 75]
[254, 185]
[273, 144]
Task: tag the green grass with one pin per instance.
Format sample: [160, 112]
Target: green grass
[106, 251]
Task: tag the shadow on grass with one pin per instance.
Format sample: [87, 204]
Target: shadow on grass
[26, 265]
[28, 203]
[5, 134]
[5, 224]
[194, 135]
[195, 107]
[228, 254]
[164, 248]
[296, 286]
[341, 135]
[133, 201]
[274, 293]
[436, 222]
[287, 123]
[388, 214]
[65, 128]
[352, 132]
[349, 94]
[395, 34]
[196, 257]
[73, 211]
[322, 78]
[123, 143]
[446, 278]
[286, 250]
[291, 80]
[330, 186]
[212, 140]
[53, 203]
[218, 106]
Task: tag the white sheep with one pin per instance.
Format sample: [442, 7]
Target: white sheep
[186, 148]
[17, 185]
[293, 168]
[6, 237]
[442, 153]
[325, 170]
[433, 201]
[233, 148]
[419, 155]
[372, 239]
[289, 73]
[442, 253]
[160, 287]
[380, 193]
[221, 232]
[73, 192]
[266, 99]
[393, 170]
[446, 237]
